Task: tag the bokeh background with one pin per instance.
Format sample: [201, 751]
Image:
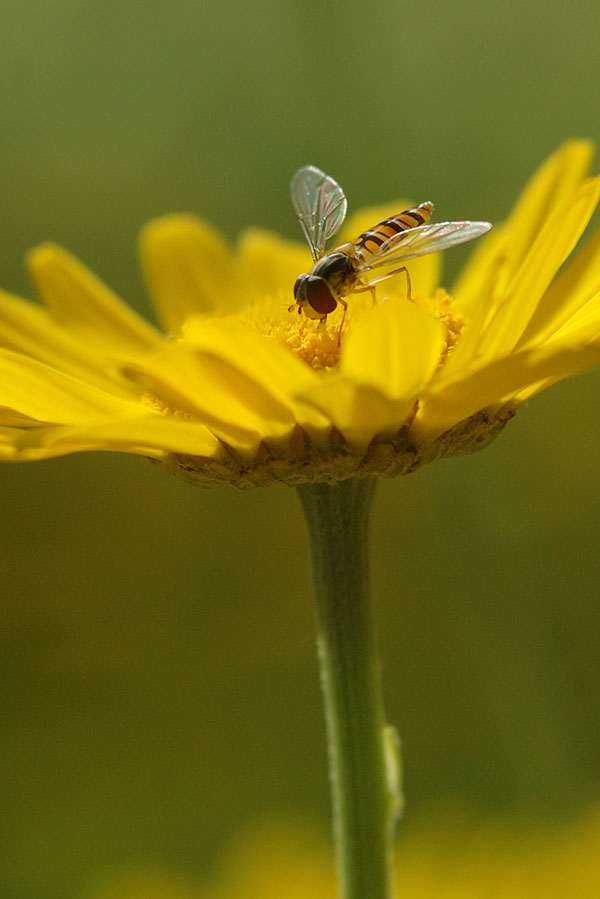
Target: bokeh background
[159, 686]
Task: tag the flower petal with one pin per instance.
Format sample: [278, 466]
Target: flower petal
[273, 368]
[269, 265]
[557, 180]
[87, 307]
[395, 348]
[238, 383]
[499, 324]
[498, 381]
[579, 332]
[505, 248]
[573, 293]
[487, 265]
[187, 266]
[552, 246]
[43, 394]
[147, 435]
[388, 357]
[28, 329]
[358, 411]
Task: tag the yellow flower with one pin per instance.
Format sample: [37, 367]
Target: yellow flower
[445, 858]
[237, 389]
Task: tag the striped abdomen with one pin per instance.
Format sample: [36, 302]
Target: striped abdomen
[371, 241]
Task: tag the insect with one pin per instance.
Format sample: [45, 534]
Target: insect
[320, 204]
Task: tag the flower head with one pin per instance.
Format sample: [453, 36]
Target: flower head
[238, 389]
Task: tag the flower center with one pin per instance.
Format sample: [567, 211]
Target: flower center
[319, 344]
[314, 342]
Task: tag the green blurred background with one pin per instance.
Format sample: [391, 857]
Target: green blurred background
[159, 685]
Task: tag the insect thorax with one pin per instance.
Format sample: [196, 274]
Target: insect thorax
[338, 269]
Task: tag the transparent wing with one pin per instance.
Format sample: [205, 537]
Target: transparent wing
[424, 239]
[320, 205]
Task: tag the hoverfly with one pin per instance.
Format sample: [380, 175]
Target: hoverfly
[320, 204]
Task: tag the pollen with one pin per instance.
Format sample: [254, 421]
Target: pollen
[316, 343]
[442, 306]
[320, 344]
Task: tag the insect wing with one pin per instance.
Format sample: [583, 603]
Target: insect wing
[425, 239]
[320, 205]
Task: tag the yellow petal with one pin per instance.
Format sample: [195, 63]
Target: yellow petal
[551, 247]
[503, 250]
[580, 331]
[487, 265]
[187, 266]
[78, 299]
[277, 372]
[498, 325]
[46, 395]
[236, 382]
[395, 348]
[573, 293]
[553, 184]
[28, 329]
[180, 383]
[148, 435]
[388, 357]
[583, 327]
[269, 265]
[496, 382]
[358, 411]
[12, 419]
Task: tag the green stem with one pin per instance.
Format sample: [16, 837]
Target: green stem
[363, 774]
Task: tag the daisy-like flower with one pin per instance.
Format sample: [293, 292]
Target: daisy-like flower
[237, 389]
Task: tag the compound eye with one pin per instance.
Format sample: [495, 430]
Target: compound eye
[299, 281]
[319, 296]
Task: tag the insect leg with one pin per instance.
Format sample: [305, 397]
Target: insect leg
[366, 287]
[408, 284]
[395, 271]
